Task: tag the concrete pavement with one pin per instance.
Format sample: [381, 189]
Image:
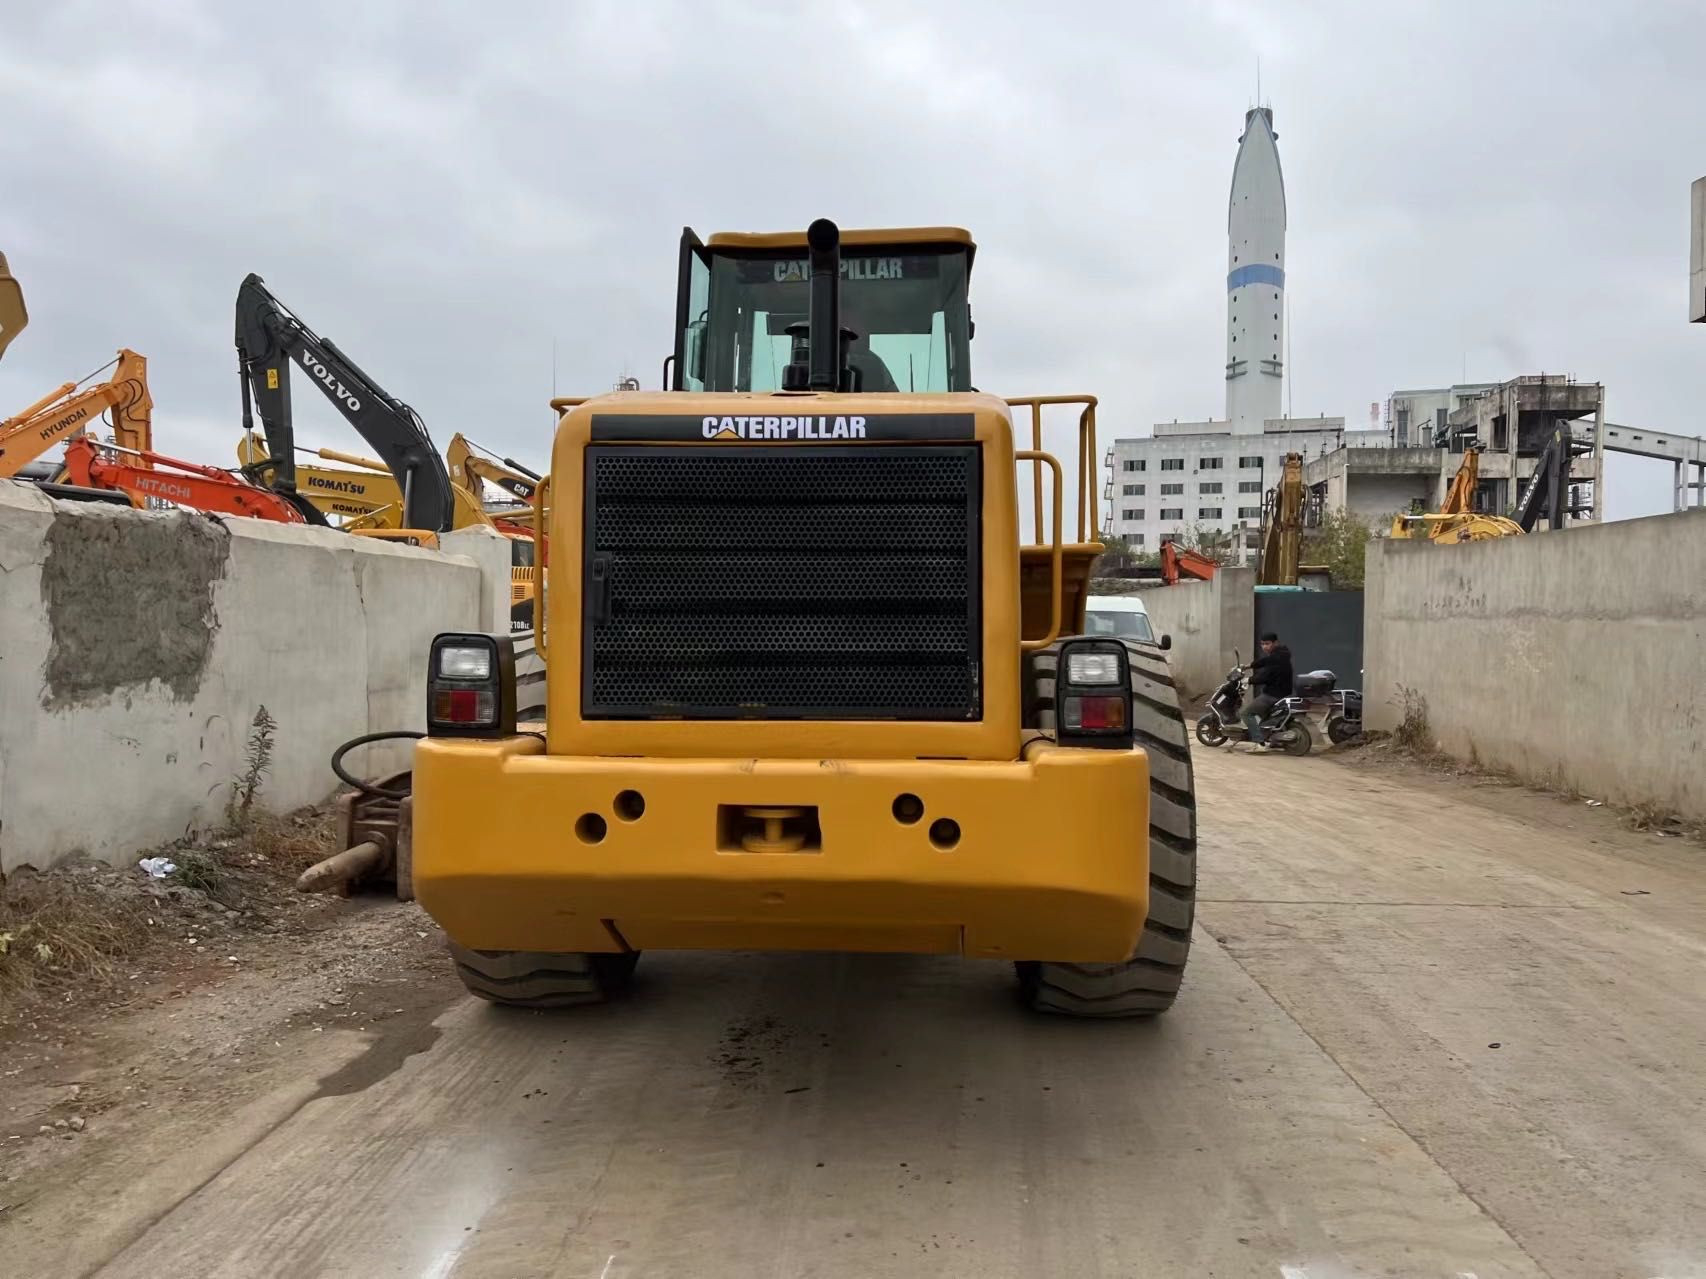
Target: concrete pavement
[1325, 1101]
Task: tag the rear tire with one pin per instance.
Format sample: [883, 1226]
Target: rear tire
[1148, 982]
[542, 978]
[1301, 741]
[1341, 730]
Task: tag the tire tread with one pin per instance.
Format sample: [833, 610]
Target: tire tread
[1148, 982]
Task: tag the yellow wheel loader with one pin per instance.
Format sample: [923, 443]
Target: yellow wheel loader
[809, 687]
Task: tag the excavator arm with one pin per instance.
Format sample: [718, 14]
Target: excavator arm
[270, 338]
[1282, 535]
[1181, 561]
[470, 470]
[1460, 497]
[66, 412]
[1548, 491]
[13, 314]
[366, 495]
[153, 475]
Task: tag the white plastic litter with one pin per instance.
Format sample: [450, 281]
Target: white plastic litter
[156, 867]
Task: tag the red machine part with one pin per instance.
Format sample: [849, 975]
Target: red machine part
[205, 488]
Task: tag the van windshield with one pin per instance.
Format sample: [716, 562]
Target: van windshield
[907, 307]
[1109, 622]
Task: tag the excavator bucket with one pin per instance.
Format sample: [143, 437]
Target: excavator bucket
[13, 316]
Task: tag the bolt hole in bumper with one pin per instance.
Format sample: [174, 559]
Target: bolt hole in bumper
[1046, 857]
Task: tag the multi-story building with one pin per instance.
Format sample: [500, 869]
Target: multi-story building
[1417, 419]
[1191, 479]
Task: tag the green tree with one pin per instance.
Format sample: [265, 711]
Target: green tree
[1340, 542]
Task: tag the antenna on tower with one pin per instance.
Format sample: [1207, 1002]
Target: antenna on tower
[1258, 79]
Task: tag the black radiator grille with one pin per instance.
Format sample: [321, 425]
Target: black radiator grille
[731, 582]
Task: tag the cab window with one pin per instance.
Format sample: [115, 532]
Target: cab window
[908, 309]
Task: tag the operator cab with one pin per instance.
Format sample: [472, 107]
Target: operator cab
[904, 296]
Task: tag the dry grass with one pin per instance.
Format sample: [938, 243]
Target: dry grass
[78, 927]
[288, 844]
[1413, 734]
[62, 928]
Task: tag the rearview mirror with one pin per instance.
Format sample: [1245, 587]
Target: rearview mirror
[1166, 641]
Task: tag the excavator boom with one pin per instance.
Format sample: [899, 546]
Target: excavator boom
[154, 475]
[367, 497]
[1178, 561]
[269, 339]
[67, 412]
[1282, 535]
[1460, 497]
[470, 470]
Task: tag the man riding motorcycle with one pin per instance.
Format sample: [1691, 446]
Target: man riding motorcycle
[1270, 680]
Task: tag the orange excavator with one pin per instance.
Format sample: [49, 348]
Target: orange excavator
[128, 470]
[1182, 561]
[68, 411]
[97, 468]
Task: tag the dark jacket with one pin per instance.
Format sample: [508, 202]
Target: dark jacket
[1271, 673]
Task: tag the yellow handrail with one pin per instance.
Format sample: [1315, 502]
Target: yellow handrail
[1057, 560]
[1085, 486]
[539, 495]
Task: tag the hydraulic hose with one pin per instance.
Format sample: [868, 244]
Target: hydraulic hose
[367, 739]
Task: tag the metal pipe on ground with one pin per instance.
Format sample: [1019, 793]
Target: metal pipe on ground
[339, 872]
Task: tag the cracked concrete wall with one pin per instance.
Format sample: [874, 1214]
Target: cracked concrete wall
[136, 647]
[1575, 658]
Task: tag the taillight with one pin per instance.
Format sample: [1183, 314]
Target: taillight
[471, 686]
[1093, 694]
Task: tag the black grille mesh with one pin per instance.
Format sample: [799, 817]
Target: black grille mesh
[823, 583]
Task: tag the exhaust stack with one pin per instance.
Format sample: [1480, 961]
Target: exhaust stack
[818, 359]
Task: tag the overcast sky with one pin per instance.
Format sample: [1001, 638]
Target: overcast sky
[445, 190]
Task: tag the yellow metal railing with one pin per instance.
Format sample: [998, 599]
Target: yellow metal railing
[1089, 528]
[1057, 559]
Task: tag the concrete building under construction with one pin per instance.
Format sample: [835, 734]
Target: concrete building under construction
[1511, 422]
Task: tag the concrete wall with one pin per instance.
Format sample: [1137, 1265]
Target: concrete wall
[135, 649]
[1375, 498]
[1207, 621]
[1574, 658]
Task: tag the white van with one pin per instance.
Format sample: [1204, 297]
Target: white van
[1122, 615]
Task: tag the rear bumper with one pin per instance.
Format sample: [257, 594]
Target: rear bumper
[1052, 860]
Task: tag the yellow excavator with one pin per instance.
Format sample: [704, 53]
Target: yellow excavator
[72, 408]
[1457, 520]
[473, 468]
[365, 494]
[362, 494]
[817, 674]
[13, 314]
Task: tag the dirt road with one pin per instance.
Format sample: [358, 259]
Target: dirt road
[1429, 1029]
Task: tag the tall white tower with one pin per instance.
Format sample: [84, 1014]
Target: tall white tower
[1255, 279]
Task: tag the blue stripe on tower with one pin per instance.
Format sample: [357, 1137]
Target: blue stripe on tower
[1255, 273]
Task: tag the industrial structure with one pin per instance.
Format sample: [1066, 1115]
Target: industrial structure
[1511, 423]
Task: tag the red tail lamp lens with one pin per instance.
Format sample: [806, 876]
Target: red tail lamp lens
[1101, 713]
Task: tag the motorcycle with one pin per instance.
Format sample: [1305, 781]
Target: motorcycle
[1285, 728]
[1344, 716]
